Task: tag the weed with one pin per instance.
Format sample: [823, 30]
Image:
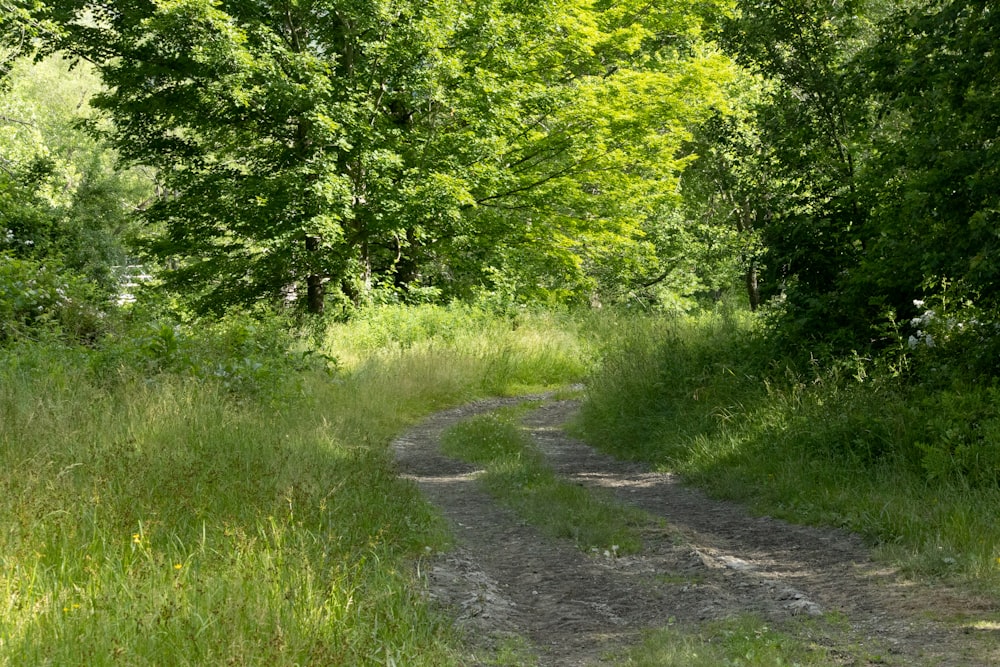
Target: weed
[740, 642]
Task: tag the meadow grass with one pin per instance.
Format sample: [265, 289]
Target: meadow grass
[515, 473]
[204, 497]
[911, 467]
[176, 499]
[511, 354]
[169, 524]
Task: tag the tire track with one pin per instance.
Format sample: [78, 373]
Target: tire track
[505, 580]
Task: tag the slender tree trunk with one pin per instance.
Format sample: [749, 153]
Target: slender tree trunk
[745, 222]
[407, 265]
[366, 268]
[315, 287]
[753, 288]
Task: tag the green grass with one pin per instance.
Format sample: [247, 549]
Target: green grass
[913, 468]
[198, 496]
[194, 497]
[169, 524]
[741, 642]
[510, 354]
[516, 474]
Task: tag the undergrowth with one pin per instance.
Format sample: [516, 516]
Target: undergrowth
[513, 353]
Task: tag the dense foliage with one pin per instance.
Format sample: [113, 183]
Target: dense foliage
[437, 148]
[62, 193]
[871, 155]
[837, 159]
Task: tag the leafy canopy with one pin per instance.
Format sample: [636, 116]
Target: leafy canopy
[301, 144]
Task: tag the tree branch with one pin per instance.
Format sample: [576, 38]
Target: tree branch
[16, 121]
[5, 166]
[659, 279]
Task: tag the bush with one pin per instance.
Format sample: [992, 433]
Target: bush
[960, 438]
[240, 354]
[40, 298]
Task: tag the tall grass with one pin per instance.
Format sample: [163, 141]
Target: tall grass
[205, 498]
[509, 354]
[168, 524]
[913, 468]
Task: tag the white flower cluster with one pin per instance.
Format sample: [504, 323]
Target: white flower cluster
[9, 239]
[921, 337]
[943, 327]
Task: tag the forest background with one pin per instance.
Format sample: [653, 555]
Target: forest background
[763, 233]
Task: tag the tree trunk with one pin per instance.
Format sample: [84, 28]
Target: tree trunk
[316, 290]
[753, 289]
[407, 266]
[366, 268]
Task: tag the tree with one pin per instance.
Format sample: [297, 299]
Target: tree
[935, 71]
[816, 125]
[882, 129]
[589, 195]
[314, 142]
[20, 31]
[62, 198]
[731, 189]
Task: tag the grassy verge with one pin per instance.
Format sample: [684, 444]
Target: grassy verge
[172, 524]
[516, 474]
[182, 497]
[912, 467]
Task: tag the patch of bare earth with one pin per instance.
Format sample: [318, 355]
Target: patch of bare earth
[708, 560]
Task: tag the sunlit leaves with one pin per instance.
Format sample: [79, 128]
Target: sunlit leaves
[62, 196]
[331, 141]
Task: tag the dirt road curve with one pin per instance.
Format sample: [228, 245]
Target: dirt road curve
[712, 561]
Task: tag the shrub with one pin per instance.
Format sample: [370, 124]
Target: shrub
[38, 298]
[244, 356]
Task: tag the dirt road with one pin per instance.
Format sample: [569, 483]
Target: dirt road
[708, 561]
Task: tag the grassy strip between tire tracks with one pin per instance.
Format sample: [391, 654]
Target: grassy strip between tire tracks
[515, 473]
